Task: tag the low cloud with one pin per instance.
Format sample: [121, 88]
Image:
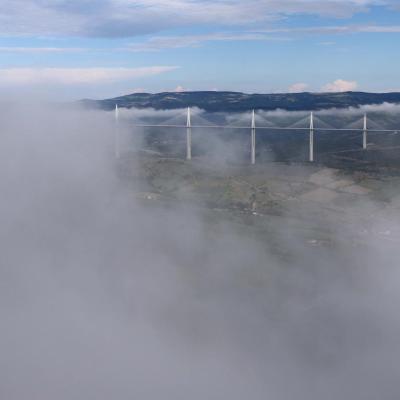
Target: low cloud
[106, 295]
[340, 85]
[298, 88]
[179, 89]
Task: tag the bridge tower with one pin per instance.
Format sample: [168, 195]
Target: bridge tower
[311, 137]
[253, 138]
[188, 135]
[365, 132]
[116, 137]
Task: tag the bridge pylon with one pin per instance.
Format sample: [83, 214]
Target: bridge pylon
[311, 158]
[116, 133]
[253, 138]
[189, 135]
[365, 132]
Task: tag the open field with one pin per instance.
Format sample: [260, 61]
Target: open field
[313, 201]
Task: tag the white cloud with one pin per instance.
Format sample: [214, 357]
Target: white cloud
[334, 30]
[340, 85]
[174, 42]
[40, 50]
[327, 43]
[109, 18]
[35, 76]
[180, 89]
[379, 29]
[157, 43]
[298, 88]
[138, 90]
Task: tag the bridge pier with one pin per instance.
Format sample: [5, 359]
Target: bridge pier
[311, 158]
[116, 134]
[188, 135]
[253, 138]
[365, 133]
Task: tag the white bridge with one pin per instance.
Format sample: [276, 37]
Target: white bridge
[252, 127]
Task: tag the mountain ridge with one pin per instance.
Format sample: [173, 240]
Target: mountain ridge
[227, 101]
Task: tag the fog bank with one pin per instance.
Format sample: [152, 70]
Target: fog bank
[105, 297]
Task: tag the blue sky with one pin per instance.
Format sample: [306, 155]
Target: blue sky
[102, 48]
